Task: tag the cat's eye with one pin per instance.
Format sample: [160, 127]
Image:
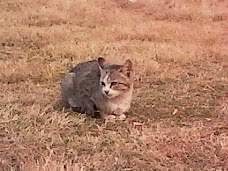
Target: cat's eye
[123, 84]
[102, 83]
[114, 83]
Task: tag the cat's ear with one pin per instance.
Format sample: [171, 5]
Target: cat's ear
[127, 68]
[128, 65]
[101, 61]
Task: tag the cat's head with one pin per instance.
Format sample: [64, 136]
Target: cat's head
[115, 80]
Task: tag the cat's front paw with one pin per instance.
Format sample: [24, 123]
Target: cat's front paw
[120, 114]
[109, 117]
[122, 117]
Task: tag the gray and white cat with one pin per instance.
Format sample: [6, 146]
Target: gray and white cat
[98, 87]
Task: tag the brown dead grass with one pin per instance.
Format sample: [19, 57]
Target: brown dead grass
[179, 114]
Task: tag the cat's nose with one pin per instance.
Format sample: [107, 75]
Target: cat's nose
[106, 91]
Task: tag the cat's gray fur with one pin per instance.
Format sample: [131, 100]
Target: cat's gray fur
[98, 87]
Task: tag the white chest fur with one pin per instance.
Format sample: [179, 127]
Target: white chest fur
[122, 104]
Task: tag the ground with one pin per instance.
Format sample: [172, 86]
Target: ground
[179, 115]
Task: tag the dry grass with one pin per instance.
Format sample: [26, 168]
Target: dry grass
[179, 116]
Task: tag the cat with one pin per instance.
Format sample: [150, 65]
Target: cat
[97, 87]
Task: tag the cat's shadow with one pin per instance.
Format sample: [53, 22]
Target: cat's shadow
[60, 106]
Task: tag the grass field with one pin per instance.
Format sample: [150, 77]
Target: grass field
[179, 116]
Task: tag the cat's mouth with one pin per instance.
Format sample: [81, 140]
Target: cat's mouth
[109, 96]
